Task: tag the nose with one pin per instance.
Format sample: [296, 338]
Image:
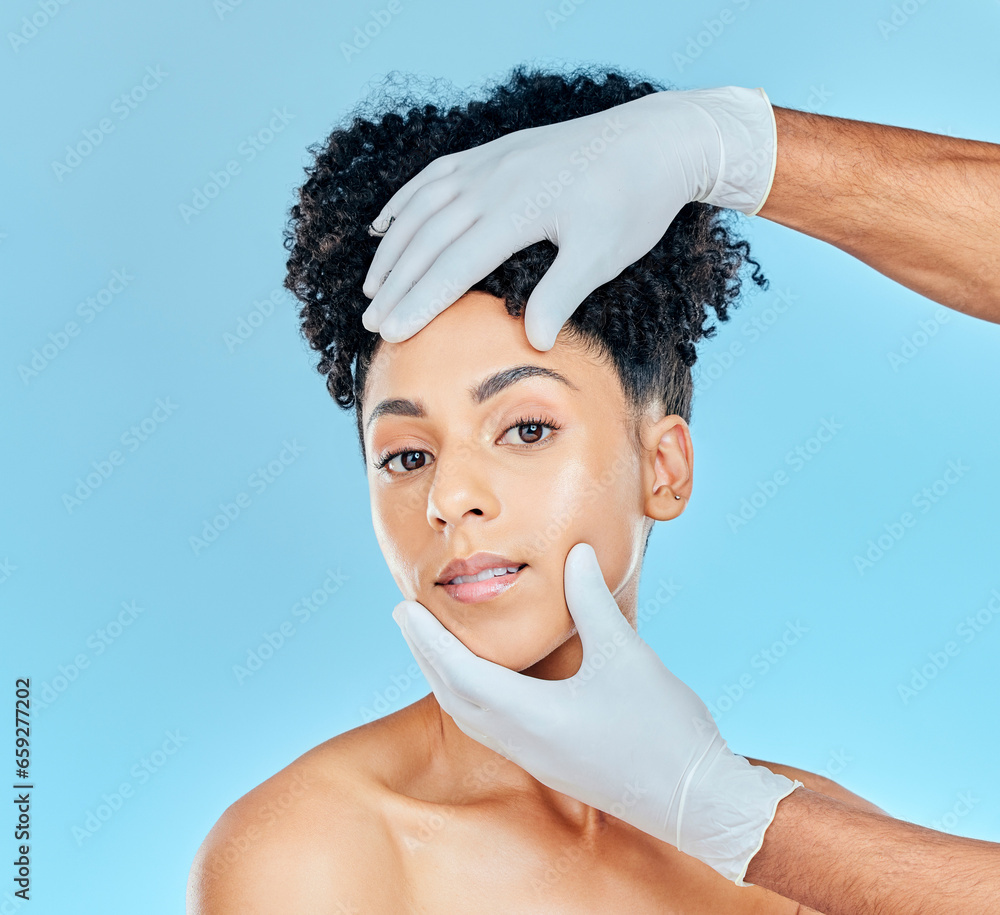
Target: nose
[461, 489]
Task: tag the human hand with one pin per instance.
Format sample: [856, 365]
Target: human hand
[623, 734]
[603, 188]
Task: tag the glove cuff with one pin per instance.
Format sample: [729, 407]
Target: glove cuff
[748, 136]
[793, 784]
[727, 810]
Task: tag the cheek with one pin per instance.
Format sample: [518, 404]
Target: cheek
[602, 506]
[396, 534]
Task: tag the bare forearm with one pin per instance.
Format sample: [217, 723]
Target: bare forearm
[841, 860]
[922, 208]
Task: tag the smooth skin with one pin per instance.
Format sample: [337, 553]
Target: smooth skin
[408, 814]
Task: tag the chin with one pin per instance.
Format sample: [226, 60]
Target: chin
[538, 656]
[511, 636]
[516, 655]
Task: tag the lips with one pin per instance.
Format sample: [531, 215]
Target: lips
[485, 575]
[476, 563]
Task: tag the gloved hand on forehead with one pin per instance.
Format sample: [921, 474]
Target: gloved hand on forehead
[603, 188]
[623, 734]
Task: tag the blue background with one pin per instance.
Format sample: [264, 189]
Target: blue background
[831, 703]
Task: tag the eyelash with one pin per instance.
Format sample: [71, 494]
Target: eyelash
[522, 421]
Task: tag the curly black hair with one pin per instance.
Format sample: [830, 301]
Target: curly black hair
[646, 320]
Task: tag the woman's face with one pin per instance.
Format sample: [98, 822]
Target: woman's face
[524, 467]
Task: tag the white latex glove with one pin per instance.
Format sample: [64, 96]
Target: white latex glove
[623, 734]
[603, 188]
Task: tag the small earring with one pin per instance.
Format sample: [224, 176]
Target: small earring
[676, 496]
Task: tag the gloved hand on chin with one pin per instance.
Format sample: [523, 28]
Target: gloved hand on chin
[623, 735]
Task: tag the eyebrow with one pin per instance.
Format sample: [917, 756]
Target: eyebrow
[478, 392]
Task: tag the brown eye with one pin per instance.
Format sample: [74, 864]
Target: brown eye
[409, 460]
[528, 433]
[415, 462]
[534, 433]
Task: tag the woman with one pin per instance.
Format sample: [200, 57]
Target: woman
[486, 461]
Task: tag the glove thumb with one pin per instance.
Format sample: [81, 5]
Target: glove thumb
[596, 614]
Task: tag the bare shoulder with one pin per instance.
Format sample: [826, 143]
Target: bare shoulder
[310, 840]
[821, 785]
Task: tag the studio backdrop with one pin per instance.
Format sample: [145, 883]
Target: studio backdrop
[190, 585]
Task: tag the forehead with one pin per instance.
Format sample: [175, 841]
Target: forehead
[470, 339]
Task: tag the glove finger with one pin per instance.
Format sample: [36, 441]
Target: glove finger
[448, 701]
[492, 713]
[471, 719]
[495, 744]
[439, 168]
[465, 675]
[461, 261]
[567, 282]
[425, 204]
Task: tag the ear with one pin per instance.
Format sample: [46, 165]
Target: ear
[667, 466]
